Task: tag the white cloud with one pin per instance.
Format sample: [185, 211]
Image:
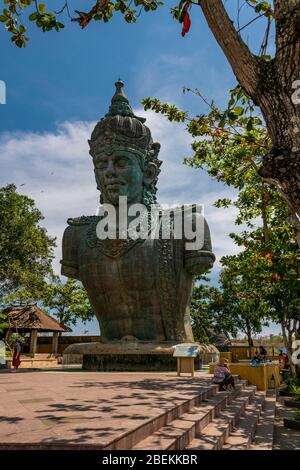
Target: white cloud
[56, 170]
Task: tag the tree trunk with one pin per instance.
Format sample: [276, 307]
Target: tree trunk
[288, 345]
[273, 86]
[297, 338]
[249, 335]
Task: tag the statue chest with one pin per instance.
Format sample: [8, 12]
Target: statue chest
[113, 266]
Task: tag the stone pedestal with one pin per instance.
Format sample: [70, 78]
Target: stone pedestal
[128, 355]
[129, 362]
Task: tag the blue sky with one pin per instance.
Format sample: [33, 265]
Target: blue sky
[63, 82]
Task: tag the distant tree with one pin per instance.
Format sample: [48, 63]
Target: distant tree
[68, 301]
[3, 324]
[26, 249]
[264, 278]
[272, 282]
[246, 309]
[229, 309]
[207, 311]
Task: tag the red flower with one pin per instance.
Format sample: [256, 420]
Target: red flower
[186, 20]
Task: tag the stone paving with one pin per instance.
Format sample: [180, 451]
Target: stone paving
[77, 407]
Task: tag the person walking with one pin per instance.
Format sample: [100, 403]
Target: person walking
[16, 356]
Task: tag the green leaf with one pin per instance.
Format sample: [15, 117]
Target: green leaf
[238, 110]
[33, 16]
[263, 7]
[42, 7]
[266, 57]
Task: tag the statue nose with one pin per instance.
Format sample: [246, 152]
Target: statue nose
[110, 170]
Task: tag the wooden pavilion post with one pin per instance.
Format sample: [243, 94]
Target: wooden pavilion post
[55, 342]
[33, 341]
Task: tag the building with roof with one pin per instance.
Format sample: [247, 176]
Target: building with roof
[31, 319]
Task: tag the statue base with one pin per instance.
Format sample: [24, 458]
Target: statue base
[130, 355]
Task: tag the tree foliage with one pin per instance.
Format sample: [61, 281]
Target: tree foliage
[261, 282]
[26, 249]
[42, 15]
[68, 301]
[16, 13]
[231, 308]
[3, 323]
[207, 311]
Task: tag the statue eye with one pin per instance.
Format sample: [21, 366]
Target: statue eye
[102, 164]
[122, 162]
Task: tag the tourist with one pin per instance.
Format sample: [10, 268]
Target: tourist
[16, 356]
[256, 359]
[262, 354]
[282, 357]
[223, 376]
[285, 367]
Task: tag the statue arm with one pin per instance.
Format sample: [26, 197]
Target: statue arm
[201, 259]
[69, 262]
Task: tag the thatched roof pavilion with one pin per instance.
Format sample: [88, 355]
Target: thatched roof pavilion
[31, 319]
[220, 340]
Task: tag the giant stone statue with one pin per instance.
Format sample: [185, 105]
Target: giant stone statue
[140, 289]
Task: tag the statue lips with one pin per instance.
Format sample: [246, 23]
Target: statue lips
[114, 185]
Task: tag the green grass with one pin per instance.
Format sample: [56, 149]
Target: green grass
[293, 386]
[296, 415]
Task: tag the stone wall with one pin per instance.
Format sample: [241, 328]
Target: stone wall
[44, 343]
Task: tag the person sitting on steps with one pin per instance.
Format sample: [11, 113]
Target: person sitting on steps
[223, 376]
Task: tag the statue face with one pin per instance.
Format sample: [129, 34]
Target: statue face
[119, 174]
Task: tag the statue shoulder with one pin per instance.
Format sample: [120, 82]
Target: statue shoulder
[73, 235]
[199, 257]
[76, 227]
[83, 220]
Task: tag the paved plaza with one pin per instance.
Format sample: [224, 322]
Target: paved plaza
[75, 408]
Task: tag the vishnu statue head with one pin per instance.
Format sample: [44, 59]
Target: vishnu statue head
[124, 155]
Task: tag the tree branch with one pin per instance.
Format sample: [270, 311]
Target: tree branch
[85, 18]
[245, 65]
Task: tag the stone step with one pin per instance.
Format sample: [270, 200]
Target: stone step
[131, 438]
[178, 433]
[263, 438]
[215, 434]
[242, 436]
